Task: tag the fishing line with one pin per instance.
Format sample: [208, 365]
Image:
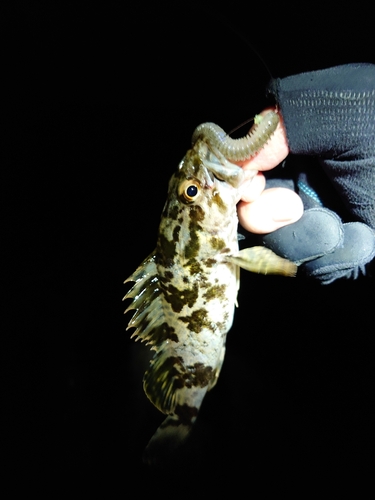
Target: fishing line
[239, 34]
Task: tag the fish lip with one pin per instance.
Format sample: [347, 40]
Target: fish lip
[227, 172]
[209, 177]
[216, 168]
[223, 169]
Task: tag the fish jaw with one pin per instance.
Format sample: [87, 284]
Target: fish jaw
[212, 213]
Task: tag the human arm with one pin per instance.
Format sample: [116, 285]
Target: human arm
[329, 115]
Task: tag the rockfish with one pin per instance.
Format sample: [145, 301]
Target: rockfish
[185, 291]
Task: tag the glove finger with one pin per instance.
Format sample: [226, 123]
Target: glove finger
[348, 260]
[317, 233]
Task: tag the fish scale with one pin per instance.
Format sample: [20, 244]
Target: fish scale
[185, 291]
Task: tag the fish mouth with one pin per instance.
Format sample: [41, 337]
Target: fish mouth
[219, 167]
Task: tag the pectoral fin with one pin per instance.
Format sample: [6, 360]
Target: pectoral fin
[263, 261]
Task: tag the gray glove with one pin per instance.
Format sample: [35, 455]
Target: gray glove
[329, 117]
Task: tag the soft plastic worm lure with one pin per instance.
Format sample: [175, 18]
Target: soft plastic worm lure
[243, 148]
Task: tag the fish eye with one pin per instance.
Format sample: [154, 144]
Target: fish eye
[189, 190]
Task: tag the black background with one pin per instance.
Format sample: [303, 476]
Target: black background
[100, 105]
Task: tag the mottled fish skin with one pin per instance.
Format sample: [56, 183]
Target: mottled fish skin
[185, 292]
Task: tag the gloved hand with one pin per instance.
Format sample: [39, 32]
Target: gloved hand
[329, 122]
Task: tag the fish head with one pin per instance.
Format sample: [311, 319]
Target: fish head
[199, 220]
[207, 184]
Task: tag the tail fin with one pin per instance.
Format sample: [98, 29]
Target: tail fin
[171, 434]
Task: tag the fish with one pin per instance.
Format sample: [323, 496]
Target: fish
[185, 292]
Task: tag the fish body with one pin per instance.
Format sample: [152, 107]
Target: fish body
[185, 291]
